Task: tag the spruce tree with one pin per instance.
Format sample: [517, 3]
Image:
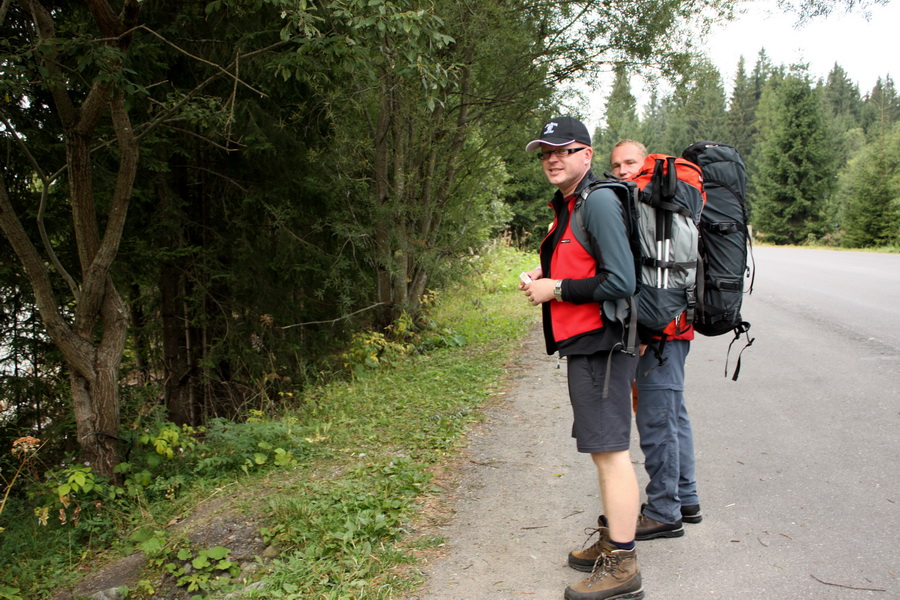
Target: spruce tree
[653, 122]
[621, 114]
[794, 161]
[762, 71]
[841, 99]
[741, 119]
[882, 108]
[871, 185]
[842, 108]
[697, 110]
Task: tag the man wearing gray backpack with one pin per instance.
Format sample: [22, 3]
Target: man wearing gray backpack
[661, 415]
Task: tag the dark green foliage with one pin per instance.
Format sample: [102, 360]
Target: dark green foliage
[794, 163]
[741, 119]
[621, 117]
[695, 111]
[881, 107]
[871, 186]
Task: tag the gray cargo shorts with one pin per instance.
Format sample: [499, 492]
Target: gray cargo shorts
[601, 424]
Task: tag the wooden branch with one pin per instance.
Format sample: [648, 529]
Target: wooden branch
[76, 351]
[45, 186]
[222, 70]
[205, 139]
[43, 24]
[3, 8]
[849, 587]
[333, 321]
[96, 274]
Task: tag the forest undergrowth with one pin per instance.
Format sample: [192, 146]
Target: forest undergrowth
[337, 479]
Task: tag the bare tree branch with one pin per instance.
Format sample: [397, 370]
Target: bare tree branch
[45, 190]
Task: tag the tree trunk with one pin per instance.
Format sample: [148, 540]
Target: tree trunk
[95, 395]
[93, 341]
[178, 369]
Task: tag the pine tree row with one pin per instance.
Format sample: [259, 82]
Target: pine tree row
[823, 159]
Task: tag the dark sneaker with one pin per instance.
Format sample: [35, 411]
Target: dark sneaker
[585, 558]
[615, 576]
[651, 529]
[691, 513]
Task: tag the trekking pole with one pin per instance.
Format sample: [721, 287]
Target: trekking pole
[659, 194]
[660, 235]
[671, 188]
[668, 246]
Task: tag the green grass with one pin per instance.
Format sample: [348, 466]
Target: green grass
[346, 533]
[361, 460]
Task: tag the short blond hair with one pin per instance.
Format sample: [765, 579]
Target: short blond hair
[642, 148]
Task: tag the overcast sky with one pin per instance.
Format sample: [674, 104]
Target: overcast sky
[865, 49]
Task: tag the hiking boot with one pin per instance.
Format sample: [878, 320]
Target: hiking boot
[651, 529]
[691, 513]
[615, 576]
[585, 558]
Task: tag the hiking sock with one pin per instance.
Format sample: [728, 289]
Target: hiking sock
[623, 545]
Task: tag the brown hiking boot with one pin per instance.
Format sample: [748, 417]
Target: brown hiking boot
[585, 558]
[616, 576]
[651, 529]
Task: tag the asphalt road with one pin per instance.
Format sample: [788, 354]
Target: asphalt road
[798, 460]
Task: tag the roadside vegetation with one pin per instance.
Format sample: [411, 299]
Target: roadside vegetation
[336, 476]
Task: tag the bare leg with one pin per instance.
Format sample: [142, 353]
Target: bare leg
[619, 492]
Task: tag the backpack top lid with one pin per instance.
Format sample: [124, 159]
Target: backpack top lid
[706, 152]
[685, 189]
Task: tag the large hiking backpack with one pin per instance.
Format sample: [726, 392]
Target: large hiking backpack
[668, 212]
[662, 206]
[724, 242]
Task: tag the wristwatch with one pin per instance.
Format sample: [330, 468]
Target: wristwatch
[557, 290]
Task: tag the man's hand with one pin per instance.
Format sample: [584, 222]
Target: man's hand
[534, 274]
[538, 291]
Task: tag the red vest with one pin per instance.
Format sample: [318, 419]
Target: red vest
[571, 260]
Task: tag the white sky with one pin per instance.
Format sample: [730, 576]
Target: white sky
[866, 50]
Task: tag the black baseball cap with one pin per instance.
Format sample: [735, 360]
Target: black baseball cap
[561, 131]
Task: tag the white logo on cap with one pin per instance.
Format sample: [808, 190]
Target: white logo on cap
[550, 127]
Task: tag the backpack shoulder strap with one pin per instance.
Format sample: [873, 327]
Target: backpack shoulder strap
[625, 191]
[623, 310]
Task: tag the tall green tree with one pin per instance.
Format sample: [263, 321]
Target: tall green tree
[871, 186]
[842, 108]
[741, 118]
[841, 99]
[794, 161]
[881, 108]
[620, 114]
[91, 111]
[654, 122]
[696, 110]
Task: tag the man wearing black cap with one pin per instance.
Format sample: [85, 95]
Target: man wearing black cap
[571, 285]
